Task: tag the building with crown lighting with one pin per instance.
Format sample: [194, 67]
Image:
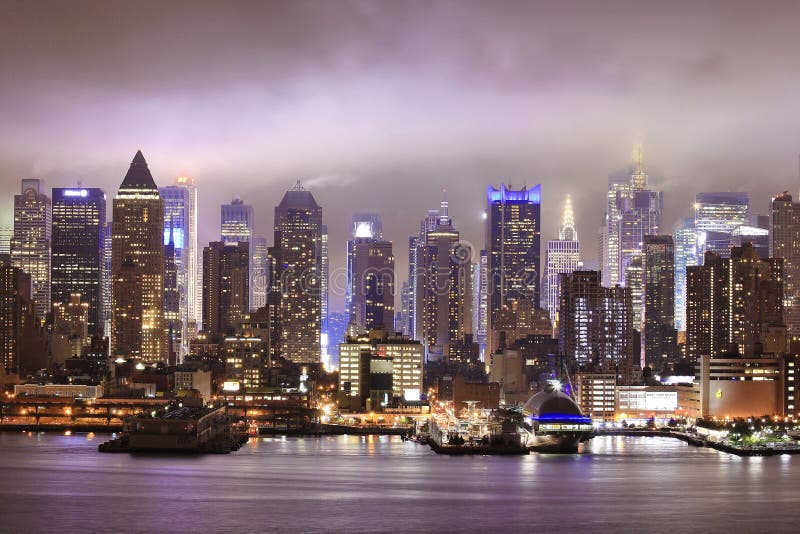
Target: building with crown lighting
[563, 257]
[30, 244]
[716, 216]
[370, 275]
[78, 247]
[513, 234]
[138, 329]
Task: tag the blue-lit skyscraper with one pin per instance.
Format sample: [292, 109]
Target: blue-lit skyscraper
[78, 242]
[177, 212]
[513, 249]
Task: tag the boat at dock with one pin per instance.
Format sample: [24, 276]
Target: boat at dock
[184, 429]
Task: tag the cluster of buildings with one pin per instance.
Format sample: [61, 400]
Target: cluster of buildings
[136, 286]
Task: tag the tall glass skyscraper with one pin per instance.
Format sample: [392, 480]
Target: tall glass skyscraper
[658, 336]
[78, 255]
[685, 256]
[177, 214]
[30, 244]
[563, 257]
[513, 237]
[632, 212]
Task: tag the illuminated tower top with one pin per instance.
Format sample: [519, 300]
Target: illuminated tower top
[639, 177]
[567, 231]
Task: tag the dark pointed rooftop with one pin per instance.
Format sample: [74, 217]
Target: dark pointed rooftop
[299, 198]
[138, 176]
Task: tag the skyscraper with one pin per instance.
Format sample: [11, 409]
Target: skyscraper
[733, 304]
[633, 211]
[194, 282]
[513, 233]
[595, 322]
[260, 272]
[428, 223]
[178, 226]
[17, 315]
[634, 281]
[30, 245]
[236, 225]
[78, 241]
[443, 271]
[226, 288]
[137, 267]
[563, 257]
[685, 256]
[716, 216]
[298, 263]
[785, 244]
[659, 337]
[370, 275]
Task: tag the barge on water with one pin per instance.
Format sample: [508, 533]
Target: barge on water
[187, 429]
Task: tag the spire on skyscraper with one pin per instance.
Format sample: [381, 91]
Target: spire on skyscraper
[444, 217]
[567, 230]
[638, 178]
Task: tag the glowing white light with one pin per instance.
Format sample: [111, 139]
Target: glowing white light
[556, 384]
[363, 229]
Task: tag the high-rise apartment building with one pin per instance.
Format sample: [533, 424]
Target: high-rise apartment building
[785, 244]
[443, 272]
[30, 245]
[634, 281]
[296, 282]
[259, 272]
[226, 278]
[17, 315]
[236, 225]
[513, 233]
[78, 250]
[595, 322]
[137, 268]
[659, 337]
[734, 304]
[685, 256]
[563, 257]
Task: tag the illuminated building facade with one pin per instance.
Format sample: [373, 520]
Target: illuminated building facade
[370, 274]
[632, 212]
[443, 271]
[247, 361]
[78, 250]
[685, 256]
[236, 225]
[137, 268]
[785, 244]
[226, 278]
[298, 264]
[596, 322]
[733, 304]
[563, 257]
[513, 234]
[260, 272]
[716, 216]
[634, 281]
[30, 245]
[659, 337]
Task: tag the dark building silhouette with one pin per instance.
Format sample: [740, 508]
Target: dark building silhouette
[226, 287]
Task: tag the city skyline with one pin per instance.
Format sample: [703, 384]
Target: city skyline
[566, 124]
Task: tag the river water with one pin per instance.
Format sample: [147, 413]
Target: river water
[54, 482]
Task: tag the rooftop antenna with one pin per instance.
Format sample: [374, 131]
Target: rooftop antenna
[298, 186]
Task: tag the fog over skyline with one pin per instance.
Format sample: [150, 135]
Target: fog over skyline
[379, 106]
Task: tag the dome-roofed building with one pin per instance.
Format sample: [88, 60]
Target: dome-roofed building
[554, 423]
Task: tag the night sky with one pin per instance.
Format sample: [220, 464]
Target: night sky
[382, 105]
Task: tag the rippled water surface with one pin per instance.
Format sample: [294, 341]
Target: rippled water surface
[52, 482]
